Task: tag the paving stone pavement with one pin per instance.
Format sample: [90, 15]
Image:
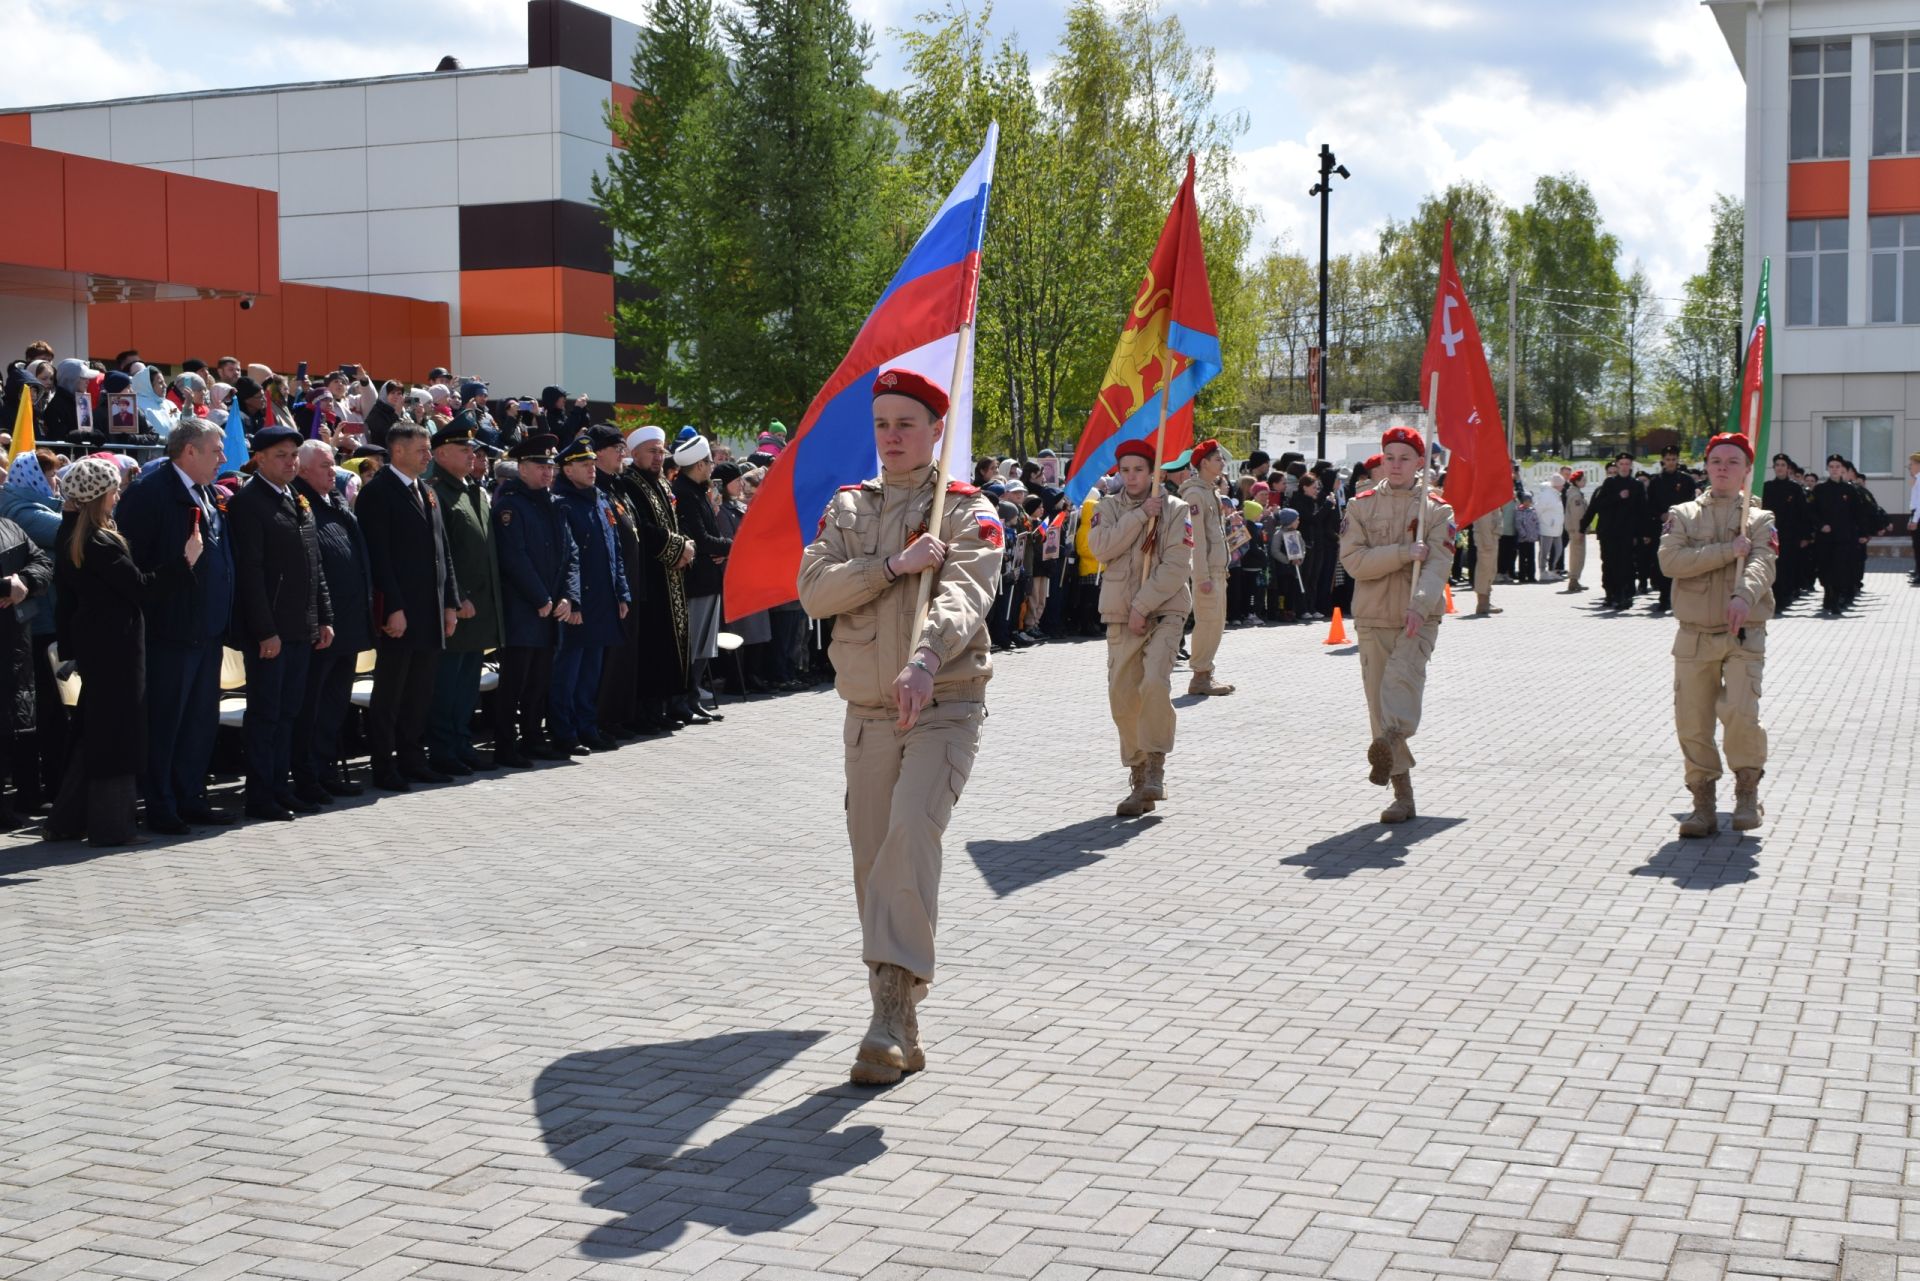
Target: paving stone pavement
[594, 1022]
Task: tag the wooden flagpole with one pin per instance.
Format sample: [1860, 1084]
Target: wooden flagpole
[1420, 487]
[924, 601]
[1159, 461]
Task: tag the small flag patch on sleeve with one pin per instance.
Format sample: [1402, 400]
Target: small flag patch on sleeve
[991, 530]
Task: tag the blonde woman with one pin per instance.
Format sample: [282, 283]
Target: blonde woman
[101, 630]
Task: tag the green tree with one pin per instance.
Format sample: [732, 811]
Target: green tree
[1701, 361]
[1565, 260]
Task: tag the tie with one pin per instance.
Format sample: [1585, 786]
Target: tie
[420, 497]
[207, 510]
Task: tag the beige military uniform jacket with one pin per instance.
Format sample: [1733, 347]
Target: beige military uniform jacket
[1114, 535]
[843, 576]
[1576, 503]
[1696, 552]
[1209, 532]
[1376, 550]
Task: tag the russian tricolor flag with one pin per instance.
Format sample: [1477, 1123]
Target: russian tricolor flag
[916, 325]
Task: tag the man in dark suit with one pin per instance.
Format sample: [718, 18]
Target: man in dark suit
[283, 616]
[416, 604]
[317, 777]
[185, 629]
[540, 584]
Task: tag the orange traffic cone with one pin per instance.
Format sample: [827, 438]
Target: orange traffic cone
[1448, 589]
[1336, 634]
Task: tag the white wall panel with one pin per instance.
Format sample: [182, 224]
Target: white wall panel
[63, 324]
[148, 131]
[244, 125]
[323, 119]
[323, 245]
[626, 37]
[86, 132]
[248, 171]
[580, 105]
[510, 364]
[512, 102]
[433, 286]
[577, 162]
[586, 365]
[413, 175]
[406, 240]
[315, 182]
[501, 170]
[411, 111]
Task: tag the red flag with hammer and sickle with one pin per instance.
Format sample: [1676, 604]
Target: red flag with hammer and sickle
[1466, 414]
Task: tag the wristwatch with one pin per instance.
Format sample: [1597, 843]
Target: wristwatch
[921, 663]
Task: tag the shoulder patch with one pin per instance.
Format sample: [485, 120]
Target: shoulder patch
[1189, 529]
[506, 515]
[1365, 493]
[991, 530]
[1667, 522]
[961, 487]
[849, 489]
[1434, 496]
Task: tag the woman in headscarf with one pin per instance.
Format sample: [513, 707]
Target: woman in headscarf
[190, 392]
[62, 417]
[157, 413]
[217, 401]
[103, 633]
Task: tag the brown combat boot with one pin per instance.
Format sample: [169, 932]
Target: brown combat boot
[1486, 607]
[883, 1057]
[1703, 821]
[1137, 802]
[1155, 785]
[1204, 685]
[1747, 808]
[1380, 762]
[1402, 808]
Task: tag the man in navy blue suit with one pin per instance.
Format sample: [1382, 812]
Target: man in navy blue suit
[185, 630]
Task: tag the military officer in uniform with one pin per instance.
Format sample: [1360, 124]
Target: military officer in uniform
[1145, 540]
[1723, 597]
[1666, 490]
[1396, 545]
[1840, 520]
[915, 691]
[539, 584]
[1792, 521]
[1209, 580]
[1619, 505]
[467, 516]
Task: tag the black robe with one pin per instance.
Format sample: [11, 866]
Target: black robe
[662, 638]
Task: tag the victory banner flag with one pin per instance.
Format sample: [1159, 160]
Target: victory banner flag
[1169, 349]
[1462, 403]
[916, 325]
[1751, 413]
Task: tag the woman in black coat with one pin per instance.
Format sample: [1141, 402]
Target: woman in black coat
[99, 592]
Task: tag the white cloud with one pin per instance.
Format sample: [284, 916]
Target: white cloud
[1434, 15]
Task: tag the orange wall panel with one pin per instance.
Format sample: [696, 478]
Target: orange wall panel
[1893, 185]
[257, 333]
[17, 127]
[623, 99]
[1817, 189]
[207, 328]
[390, 337]
[109, 328]
[267, 205]
[303, 326]
[586, 302]
[116, 219]
[33, 221]
[159, 332]
[349, 329]
[430, 325]
[213, 231]
[513, 300]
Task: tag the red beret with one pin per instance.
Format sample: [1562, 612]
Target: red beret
[1204, 448]
[1579, 473]
[1374, 462]
[1134, 449]
[1737, 439]
[1403, 436]
[904, 382]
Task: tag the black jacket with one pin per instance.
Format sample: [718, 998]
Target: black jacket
[539, 563]
[279, 587]
[379, 418]
[695, 514]
[19, 555]
[156, 515]
[343, 564]
[1620, 505]
[407, 554]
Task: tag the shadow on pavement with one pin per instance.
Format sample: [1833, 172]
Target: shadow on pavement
[1705, 864]
[1371, 847]
[622, 1118]
[1007, 866]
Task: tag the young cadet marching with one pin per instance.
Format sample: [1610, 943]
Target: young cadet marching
[1396, 544]
[1209, 578]
[1144, 602]
[915, 698]
[1722, 597]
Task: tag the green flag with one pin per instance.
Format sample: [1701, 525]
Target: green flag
[1751, 413]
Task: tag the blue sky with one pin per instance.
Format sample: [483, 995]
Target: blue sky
[1638, 96]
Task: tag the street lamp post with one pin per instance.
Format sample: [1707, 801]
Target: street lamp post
[1328, 168]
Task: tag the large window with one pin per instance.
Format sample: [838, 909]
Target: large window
[1817, 271]
[1896, 95]
[1894, 270]
[1821, 106]
[1867, 440]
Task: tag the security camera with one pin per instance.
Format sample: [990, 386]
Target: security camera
[246, 303]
